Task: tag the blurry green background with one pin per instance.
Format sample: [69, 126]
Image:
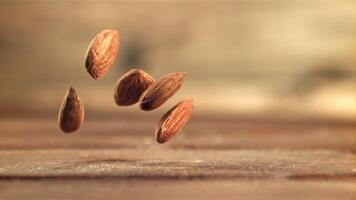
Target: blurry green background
[273, 57]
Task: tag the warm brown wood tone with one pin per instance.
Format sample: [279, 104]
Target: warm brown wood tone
[229, 158]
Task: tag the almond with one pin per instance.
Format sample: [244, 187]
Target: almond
[174, 120]
[102, 53]
[71, 113]
[160, 91]
[130, 87]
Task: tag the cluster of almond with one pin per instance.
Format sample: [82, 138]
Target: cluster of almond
[136, 86]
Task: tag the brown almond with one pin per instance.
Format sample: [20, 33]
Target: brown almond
[130, 87]
[71, 113]
[102, 53]
[160, 91]
[174, 120]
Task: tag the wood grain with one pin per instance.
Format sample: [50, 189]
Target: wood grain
[254, 159]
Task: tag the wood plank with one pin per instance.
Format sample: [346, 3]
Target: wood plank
[176, 190]
[163, 163]
[230, 158]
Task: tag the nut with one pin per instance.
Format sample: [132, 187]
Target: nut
[174, 120]
[71, 113]
[160, 91]
[130, 87]
[102, 53]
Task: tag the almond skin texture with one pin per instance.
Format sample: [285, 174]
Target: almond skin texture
[102, 53]
[130, 87]
[71, 113]
[160, 91]
[174, 120]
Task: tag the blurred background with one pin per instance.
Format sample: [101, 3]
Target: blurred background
[273, 83]
[272, 58]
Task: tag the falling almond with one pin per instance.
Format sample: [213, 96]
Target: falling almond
[102, 53]
[160, 91]
[130, 87]
[174, 120]
[71, 113]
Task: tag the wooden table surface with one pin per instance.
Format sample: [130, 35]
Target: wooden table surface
[116, 157]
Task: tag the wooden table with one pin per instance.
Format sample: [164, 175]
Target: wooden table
[234, 157]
